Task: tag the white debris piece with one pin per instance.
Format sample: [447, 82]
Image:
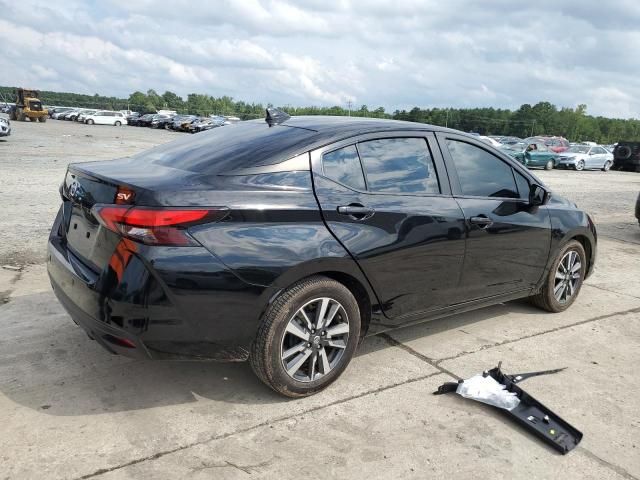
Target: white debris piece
[488, 390]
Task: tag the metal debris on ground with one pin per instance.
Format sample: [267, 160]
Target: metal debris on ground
[499, 390]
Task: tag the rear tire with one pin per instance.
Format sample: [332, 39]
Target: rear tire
[287, 356]
[556, 281]
[42, 119]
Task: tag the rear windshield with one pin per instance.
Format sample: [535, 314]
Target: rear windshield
[231, 147]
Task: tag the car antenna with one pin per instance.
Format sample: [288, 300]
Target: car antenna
[276, 117]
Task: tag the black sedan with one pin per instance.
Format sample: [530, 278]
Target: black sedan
[286, 242]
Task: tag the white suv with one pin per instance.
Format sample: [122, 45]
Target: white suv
[106, 117]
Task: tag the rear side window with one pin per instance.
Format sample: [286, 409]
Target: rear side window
[399, 165]
[343, 165]
[481, 173]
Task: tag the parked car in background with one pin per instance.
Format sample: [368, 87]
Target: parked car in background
[132, 118]
[555, 144]
[531, 154]
[160, 120]
[626, 156]
[83, 115]
[73, 115]
[509, 140]
[585, 157]
[264, 242]
[106, 117]
[178, 120]
[57, 111]
[202, 124]
[145, 120]
[5, 127]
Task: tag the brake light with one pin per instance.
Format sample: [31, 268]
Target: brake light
[156, 225]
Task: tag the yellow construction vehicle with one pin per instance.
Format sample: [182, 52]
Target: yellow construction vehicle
[28, 105]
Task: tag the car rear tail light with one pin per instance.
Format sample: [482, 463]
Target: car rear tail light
[156, 225]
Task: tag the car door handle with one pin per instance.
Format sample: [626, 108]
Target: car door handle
[356, 211]
[481, 221]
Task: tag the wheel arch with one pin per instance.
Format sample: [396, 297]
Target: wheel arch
[344, 271]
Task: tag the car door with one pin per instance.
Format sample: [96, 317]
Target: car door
[99, 118]
[598, 157]
[507, 240]
[387, 199]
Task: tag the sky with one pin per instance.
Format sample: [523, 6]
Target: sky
[395, 54]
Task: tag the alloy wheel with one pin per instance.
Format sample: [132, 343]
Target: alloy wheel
[607, 166]
[315, 339]
[568, 277]
[580, 165]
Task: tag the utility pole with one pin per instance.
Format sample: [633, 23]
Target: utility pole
[349, 105]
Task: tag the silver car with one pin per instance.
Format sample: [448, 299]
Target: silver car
[585, 157]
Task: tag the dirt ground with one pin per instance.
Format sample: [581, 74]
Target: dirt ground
[70, 410]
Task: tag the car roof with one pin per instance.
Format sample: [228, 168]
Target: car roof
[328, 125]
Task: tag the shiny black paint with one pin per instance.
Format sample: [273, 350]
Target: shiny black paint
[417, 257]
[509, 252]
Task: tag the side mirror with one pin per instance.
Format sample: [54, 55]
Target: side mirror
[538, 195]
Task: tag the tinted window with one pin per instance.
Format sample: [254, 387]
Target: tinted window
[343, 165]
[481, 174]
[399, 165]
[598, 150]
[243, 145]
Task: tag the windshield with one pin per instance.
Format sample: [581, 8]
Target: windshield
[578, 149]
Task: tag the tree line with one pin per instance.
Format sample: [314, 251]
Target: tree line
[543, 118]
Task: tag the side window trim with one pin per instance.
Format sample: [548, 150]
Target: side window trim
[456, 188]
[429, 137]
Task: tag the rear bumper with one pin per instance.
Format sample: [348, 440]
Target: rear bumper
[166, 304]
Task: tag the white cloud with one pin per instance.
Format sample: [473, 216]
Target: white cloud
[375, 52]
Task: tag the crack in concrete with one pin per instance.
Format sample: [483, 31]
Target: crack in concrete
[610, 291]
[537, 334]
[616, 468]
[163, 453]
[395, 343]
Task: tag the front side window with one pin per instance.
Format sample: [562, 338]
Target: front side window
[399, 165]
[481, 173]
[343, 165]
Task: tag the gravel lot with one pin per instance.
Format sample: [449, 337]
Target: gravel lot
[70, 410]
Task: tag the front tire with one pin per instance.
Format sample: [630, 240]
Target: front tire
[606, 166]
[307, 337]
[564, 280]
[580, 165]
[549, 165]
[90, 122]
[118, 123]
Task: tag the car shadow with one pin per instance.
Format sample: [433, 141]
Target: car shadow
[80, 378]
